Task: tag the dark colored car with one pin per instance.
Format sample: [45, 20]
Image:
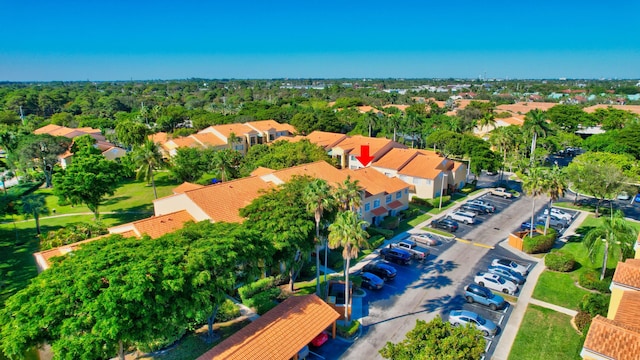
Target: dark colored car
[507, 274]
[526, 226]
[380, 269]
[445, 224]
[371, 281]
[476, 209]
[396, 255]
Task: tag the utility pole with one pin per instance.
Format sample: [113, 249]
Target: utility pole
[21, 115]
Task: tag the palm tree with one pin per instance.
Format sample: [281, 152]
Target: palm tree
[555, 186]
[148, 158]
[394, 122]
[317, 195]
[533, 185]
[349, 195]
[348, 232]
[487, 120]
[225, 164]
[370, 118]
[535, 123]
[233, 139]
[35, 205]
[616, 235]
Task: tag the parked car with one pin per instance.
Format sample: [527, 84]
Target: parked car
[482, 295]
[381, 270]
[464, 317]
[445, 224]
[411, 248]
[395, 255]
[425, 238]
[559, 214]
[510, 264]
[495, 282]
[476, 209]
[371, 281]
[319, 340]
[507, 274]
[487, 205]
[462, 216]
[623, 196]
[554, 222]
[526, 226]
[500, 191]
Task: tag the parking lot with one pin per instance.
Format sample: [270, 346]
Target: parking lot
[423, 290]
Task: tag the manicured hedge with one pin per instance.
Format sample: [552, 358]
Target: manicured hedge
[560, 261]
[590, 279]
[372, 230]
[227, 311]
[539, 243]
[263, 301]
[595, 304]
[376, 241]
[349, 330]
[249, 290]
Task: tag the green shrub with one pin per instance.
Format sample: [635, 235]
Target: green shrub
[168, 338]
[595, 304]
[390, 222]
[372, 230]
[560, 261]
[583, 320]
[420, 201]
[539, 243]
[436, 201]
[410, 213]
[348, 330]
[249, 290]
[590, 279]
[468, 188]
[227, 311]
[376, 241]
[263, 301]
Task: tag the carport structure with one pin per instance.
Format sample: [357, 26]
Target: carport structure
[280, 333]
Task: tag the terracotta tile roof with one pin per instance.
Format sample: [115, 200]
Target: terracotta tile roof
[613, 340]
[353, 145]
[395, 204]
[184, 142]
[186, 186]
[208, 139]
[319, 170]
[56, 130]
[159, 138]
[157, 226]
[366, 108]
[525, 107]
[292, 139]
[633, 108]
[325, 139]
[628, 273]
[628, 312]
[380, 211]
[47, 129]
[399, 107]
[260, 170]
[280, 333]
[512, 120]
[266, 125]
[43, 258]
[221, 202]
[395, 158]
[128, 234]
[375, 182]
[238, 129]
[426, 167]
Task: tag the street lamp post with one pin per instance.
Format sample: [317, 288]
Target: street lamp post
[442, 188]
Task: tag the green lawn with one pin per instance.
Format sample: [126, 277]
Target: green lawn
[559, 289]
[546, 334]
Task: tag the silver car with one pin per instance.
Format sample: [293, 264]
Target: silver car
[464, 317]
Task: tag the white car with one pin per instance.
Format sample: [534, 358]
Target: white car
[559, 214]
[464, 317]
[509, 264]
[623, 196]
[464, 217]
[495, 282]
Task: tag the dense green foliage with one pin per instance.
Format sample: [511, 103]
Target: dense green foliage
[539, 243]
[590, 280]
[437, 340]
[560, 261]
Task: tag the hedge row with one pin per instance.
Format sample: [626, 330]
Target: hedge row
[539, 243]
[227, 311]
[372, 230]
[590, 279]
[560, 261]
[249, 290]
[263, 301]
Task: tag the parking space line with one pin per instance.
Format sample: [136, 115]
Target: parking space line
[474, 243]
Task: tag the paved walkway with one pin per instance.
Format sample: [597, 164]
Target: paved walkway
[512, 326]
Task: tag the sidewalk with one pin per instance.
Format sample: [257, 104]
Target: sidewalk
[510, 330]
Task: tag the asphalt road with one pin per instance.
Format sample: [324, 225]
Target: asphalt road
[434, 287]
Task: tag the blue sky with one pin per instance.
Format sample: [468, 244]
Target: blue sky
[122, 40]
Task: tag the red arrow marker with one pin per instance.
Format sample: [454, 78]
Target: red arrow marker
[364, 157]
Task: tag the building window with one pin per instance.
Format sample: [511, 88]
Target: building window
[376, 203]
[388, 199]
[406, 191]
[367, 207]
[428, 181]
[398, 194]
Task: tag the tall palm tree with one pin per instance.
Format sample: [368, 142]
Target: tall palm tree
[536, 125]
[348, 232]
[370, 118]
[616, 235]
[349, 195]
[148, 159]
[394, 122]
[35, 205]
[533, 184]
[555, 186]
[488, 120]
[225, 164]
[318, 197]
